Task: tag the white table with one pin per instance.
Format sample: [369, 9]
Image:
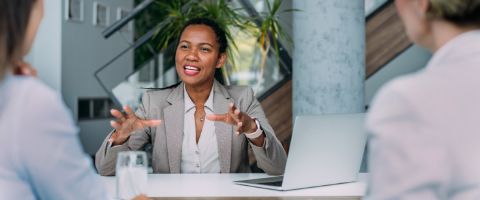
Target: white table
[188, 186]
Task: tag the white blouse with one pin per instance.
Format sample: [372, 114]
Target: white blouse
[201, 157]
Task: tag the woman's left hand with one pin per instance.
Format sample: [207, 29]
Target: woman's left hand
[23, 68]
[243, 122]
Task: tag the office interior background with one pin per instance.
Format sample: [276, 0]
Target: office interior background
[343, 51]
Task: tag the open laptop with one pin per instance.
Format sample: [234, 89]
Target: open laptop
[324, 150]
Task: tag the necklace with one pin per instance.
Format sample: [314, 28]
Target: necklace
[200, 114]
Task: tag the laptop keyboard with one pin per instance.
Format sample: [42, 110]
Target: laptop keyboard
[274, 183]
[270, 181]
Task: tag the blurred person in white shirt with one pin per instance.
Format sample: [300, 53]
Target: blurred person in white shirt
[40, 153]
[425, 127]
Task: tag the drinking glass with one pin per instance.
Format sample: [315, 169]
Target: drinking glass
[131, 174]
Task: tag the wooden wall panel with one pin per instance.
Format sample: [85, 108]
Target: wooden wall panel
[278, 109]
[386, 38]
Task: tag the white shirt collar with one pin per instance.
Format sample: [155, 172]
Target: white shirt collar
[189, 103]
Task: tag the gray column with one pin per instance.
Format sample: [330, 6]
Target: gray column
[328, 57]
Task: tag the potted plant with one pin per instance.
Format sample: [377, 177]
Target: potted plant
[168, 17]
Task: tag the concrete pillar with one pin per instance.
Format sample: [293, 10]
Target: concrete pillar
[328, 56]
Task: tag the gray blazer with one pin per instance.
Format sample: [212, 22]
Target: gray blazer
[166, 139]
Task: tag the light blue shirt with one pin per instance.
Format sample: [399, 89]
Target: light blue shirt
[40, 153]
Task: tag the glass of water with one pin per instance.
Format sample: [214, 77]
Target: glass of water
[131, 174]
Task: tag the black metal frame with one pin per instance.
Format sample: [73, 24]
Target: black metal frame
[122, 22]
[142, 40]
[375, 12]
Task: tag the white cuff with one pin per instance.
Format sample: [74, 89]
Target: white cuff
[255, 134]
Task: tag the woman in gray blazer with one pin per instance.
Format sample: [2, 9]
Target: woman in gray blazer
[205, 127]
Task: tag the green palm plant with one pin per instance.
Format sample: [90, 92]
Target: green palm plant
[169, 17]
[271, 31]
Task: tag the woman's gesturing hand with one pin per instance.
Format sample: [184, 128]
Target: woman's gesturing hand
[243, 122]
[127, 123]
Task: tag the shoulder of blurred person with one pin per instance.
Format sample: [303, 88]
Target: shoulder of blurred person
[26, 97]
[40, 150]
[442, 94]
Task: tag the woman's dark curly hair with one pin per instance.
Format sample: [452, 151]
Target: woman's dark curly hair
[219, 31]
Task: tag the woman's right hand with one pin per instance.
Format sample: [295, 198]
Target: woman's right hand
[125, 124]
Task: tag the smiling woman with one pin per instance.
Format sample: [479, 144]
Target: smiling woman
[199, 53]
[183, 141]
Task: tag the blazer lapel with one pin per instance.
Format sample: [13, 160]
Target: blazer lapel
[173, 119]
[223, 131]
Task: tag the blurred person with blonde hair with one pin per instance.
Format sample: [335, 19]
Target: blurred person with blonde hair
[425, 127]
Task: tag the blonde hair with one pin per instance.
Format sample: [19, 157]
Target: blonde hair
[459, 12]
[14, 17]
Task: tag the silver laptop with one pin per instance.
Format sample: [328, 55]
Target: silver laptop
[324, 150]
